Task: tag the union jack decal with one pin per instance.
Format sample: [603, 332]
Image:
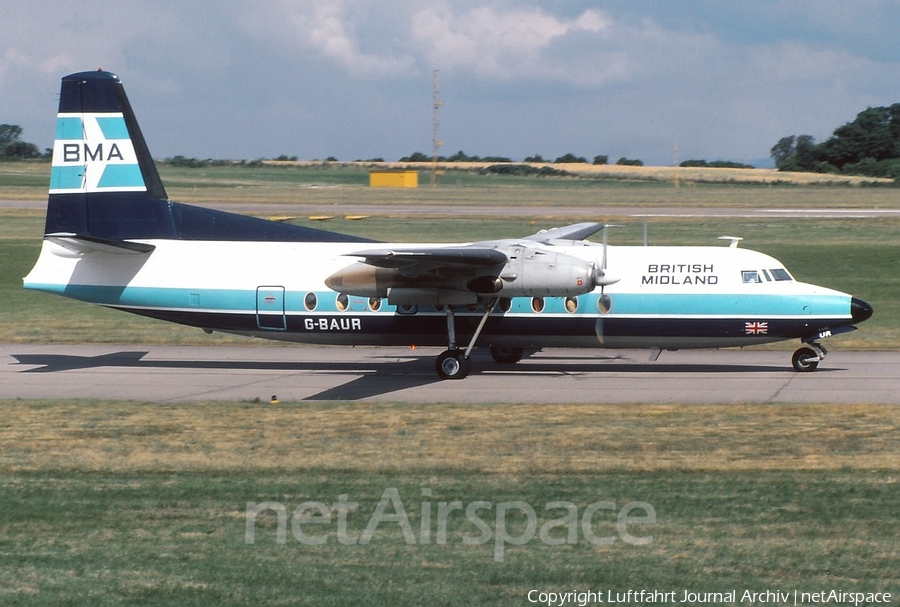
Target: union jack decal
[756, 328]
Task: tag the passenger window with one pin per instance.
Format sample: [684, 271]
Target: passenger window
[310, 301]
[749, 276]
[780, 274]
[342, 302]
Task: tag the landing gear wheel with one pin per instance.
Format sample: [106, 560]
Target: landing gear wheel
[506, 356]
[453, 364]
[805, 360]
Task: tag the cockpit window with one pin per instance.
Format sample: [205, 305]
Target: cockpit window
[780, 274]
[749, 276]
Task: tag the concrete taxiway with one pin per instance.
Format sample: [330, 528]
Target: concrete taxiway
[160, 374]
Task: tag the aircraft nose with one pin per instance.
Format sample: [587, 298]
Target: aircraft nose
[860, 310]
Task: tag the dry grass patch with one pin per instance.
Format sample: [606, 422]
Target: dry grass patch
[624, 172]
[507, 439]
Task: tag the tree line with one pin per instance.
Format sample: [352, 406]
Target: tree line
[12, 146]
[569, 158]
[869, 145]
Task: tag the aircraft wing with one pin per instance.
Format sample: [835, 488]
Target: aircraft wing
[418, 261]
[576, 231]
[461, 274]
[476, 256]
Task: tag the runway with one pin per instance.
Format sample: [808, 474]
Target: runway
[179, 374]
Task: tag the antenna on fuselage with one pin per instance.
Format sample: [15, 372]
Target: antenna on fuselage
[734, 240]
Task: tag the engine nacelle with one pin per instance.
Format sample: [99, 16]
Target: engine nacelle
[529, 272]
[541, 273]
[363, 280]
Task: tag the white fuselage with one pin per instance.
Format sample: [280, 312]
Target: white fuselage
[665, 297]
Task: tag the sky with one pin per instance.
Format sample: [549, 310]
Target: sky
[657, 81]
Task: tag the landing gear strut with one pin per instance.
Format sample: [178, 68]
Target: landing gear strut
[454, 363]
[807, 358]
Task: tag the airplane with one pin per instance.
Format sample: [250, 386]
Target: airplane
[114, 238]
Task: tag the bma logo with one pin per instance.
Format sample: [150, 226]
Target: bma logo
[72, 152]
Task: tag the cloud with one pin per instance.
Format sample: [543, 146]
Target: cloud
[353, 77]
[505, 44]
[402, 39]
[331, 31]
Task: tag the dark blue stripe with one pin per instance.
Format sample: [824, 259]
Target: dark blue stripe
[382, 329]
[131, 215]
[197, 223]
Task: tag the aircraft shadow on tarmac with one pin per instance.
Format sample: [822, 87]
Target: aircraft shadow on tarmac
[381, 378]
[384, 374]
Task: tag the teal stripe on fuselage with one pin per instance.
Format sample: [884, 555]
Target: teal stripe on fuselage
[713, 304]
[155, 297]
[200, 299]
[623, 304]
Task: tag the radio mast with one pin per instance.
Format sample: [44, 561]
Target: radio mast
[435, 128]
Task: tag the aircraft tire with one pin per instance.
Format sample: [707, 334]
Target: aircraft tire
[506, 356]
[453, 364]
[805, 360]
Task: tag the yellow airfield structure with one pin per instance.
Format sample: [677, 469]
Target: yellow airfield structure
[393, 179]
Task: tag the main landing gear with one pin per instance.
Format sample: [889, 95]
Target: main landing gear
[508, 356]
[807, 358]
[454, 363]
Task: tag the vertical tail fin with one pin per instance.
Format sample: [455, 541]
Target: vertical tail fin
[104, 184]
[103, 181]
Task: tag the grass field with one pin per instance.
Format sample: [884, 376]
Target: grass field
[125, 503]
[110, 503]
[336, 183]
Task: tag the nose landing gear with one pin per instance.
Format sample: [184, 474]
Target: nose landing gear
[807, 358]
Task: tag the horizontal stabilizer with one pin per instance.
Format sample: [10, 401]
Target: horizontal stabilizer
[79, 245]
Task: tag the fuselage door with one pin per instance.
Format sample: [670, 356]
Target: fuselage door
[270, 308]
